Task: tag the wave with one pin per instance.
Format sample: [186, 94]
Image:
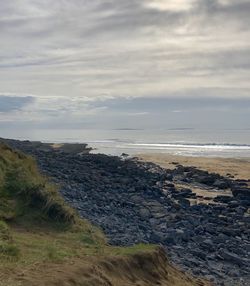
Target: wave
[193, 145]
[131, 143]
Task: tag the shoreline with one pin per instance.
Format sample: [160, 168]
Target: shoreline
[237, 168]
[185, 209]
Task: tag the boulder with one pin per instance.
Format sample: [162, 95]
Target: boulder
[204, 179]
[234, 204]
[157, 237]
[231, 257]
[144, 213]
[241, 193]
[184, 202]
[208, 245]
[221, 184]
[223, 199]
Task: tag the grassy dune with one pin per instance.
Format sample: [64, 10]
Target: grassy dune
[44, 242]
[32, 206]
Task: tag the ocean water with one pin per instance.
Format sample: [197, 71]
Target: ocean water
[234, 143]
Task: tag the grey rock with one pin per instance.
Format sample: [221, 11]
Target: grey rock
[231, 257]
[208, 245]
[221, 184]
[243, 193]
[144, 213]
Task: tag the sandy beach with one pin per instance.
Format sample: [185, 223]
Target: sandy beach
[239, 168]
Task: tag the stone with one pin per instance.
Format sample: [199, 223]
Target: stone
[233, 204]
[210, 228]
[205, 179]
[136, 199]
[169, 177]
[144, 213]
[184, 202]
[243, 193]
[198, 253]
[208, 245]
[157, 237]
[221, 184]
[231, 257]
[223, 199]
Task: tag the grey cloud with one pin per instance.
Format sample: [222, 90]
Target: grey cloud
[84, 49]
[135, 15]
[174, 110]
[184, 101]
[11, 103]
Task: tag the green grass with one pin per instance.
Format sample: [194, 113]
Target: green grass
[4, 231]
[8, 250]
[138, 248]
[37, 227]
[28, 201]
[7, 247]
[23, 187]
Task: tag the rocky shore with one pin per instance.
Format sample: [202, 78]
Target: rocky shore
[134, 201]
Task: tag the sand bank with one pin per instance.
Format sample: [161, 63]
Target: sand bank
[239, 168]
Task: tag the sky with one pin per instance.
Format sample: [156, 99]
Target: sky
[123, 64]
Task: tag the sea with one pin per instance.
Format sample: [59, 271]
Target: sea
[228, 143]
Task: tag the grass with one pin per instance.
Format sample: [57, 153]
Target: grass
[36, 225]
[7, 247]
[22, 186]
[138, 248]
[29, 202]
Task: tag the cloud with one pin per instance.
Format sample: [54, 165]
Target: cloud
[14, 103]
[177, 103]
[68, 54]
[183, 109]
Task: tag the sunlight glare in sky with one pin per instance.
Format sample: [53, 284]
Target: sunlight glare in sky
[172, 5]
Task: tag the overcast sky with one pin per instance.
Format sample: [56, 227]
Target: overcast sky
[116, 63]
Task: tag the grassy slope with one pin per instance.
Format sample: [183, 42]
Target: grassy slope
[44, 242]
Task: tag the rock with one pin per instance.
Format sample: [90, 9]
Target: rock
[136, 199]
[233, 204]
[169, 177]
[159, 215]
[221, 184]
[211, 228]
[199, 229]
[240, 210]
[198, 253]
[176, 235]
[184, 202]
[223, 199]
[170, 185]
[231, 257]
[240, 183]
[205, 179]
[144, 213]
[220, 238]
[241, 193]
[208, 245]
[234, 273]
[157, 237]
[124, 155]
